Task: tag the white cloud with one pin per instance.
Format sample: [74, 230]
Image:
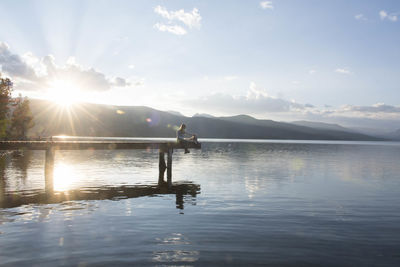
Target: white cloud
[256, 101]
[230, 78]
[378, 108]
[31, 73]
[266, 5]
[14, 65]
[360, 17]
[255, 92]
[392, 18]
[175, 29]
[377, 111]
[30, 59]
[120, 82]
[190, 19]
[345, 71]
[384, 15]
[249, 104]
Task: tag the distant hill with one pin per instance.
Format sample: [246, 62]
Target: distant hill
[394, 135]
[380, 133]
[323, 125]
[177, 113]
[282, 130]
[203, 115]
[136, 121]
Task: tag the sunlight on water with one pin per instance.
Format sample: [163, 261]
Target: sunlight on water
[230, 203]
[64, 177]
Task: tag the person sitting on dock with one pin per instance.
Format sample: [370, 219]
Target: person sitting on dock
[181, 136]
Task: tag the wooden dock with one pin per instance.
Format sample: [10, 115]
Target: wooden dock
[51, 146]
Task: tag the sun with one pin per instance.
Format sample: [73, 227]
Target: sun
[63, 92]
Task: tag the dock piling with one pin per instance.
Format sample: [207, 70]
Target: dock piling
[161, 167]
[169, 166]
[49, 169]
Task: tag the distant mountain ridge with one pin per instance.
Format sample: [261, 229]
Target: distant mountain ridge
[394, 135]
[323, 125]
[139, 121]
[203, 115]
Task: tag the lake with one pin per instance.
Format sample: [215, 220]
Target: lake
[233, 203]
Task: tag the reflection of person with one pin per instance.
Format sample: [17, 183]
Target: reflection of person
[181, 136]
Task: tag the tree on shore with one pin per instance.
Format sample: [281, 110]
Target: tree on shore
[5, 99]
[17, 125]
[21, 119]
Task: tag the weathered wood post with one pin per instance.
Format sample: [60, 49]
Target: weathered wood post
[161, 166]
[49, 169]
[169, 166]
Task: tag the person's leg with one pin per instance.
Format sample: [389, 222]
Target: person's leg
[184, 144]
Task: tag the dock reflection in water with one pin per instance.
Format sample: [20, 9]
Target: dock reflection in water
[58, 187]
[15, 199]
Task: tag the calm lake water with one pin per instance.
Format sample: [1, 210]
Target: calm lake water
[287, 203]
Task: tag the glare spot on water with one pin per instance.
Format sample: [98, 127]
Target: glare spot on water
[61, 242]
[174, 239]
[44, 213]
[128, 208]
[64, 177]
[252, 186]
[176, 256]
[297, 164]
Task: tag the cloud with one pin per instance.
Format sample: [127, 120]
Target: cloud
[360, 17]
[120, 82]
[378, 117]
[256, 101]
[345, 71]
[312, 72]
[230, 78]
[266, 5]
[175, 29]
[14, 65]
[73, 73]
[31, 73]
[377, 112]
[384, 15]
[374, 109]
[190, 19]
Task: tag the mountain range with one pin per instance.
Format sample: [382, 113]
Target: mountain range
[138, 121]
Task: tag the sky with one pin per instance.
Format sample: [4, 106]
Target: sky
[335, 61]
